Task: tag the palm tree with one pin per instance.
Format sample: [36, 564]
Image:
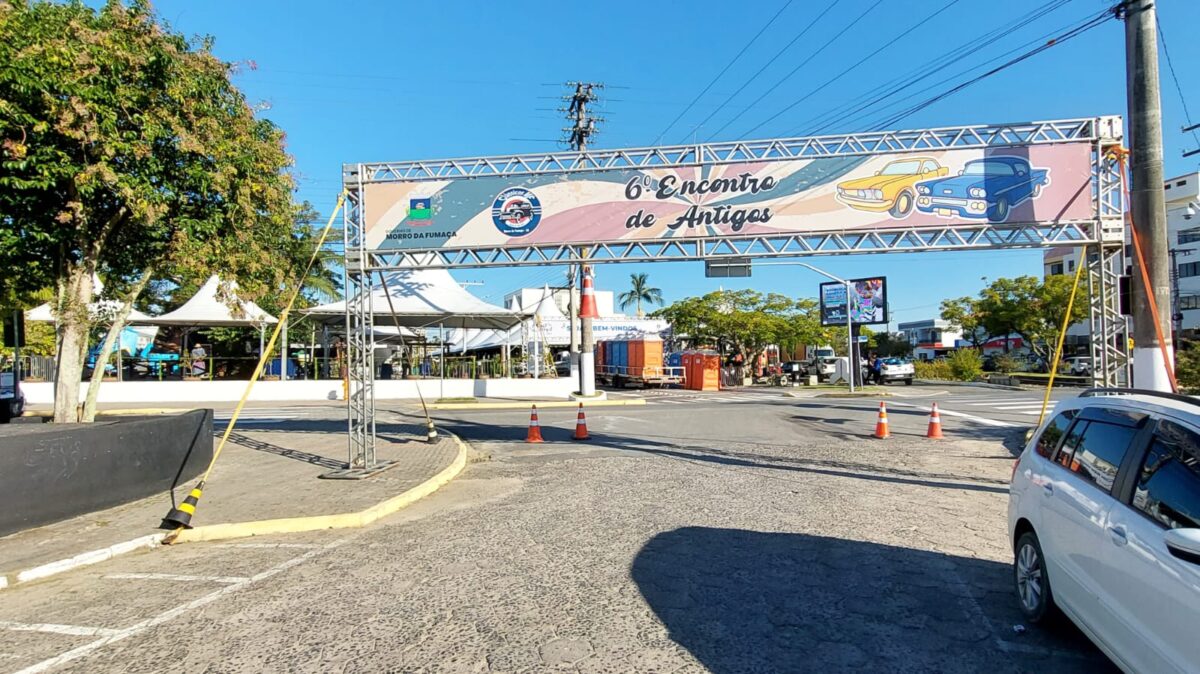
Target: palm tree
[640, 291]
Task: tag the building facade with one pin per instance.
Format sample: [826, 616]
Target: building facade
[930, 338]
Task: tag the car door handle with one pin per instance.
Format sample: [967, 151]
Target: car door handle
[1117, 534]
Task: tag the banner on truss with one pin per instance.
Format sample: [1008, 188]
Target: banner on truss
[1044, 183]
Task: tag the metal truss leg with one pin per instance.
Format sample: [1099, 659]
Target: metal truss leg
[1109, 330]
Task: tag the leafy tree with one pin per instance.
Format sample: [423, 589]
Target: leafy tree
[745, 321]
[1032, 308]
[964, 314]
[640, 291]
[126, 151]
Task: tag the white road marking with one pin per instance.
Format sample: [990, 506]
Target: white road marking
[945, 412]
[171, 614]
[49, 628]
[175, 577]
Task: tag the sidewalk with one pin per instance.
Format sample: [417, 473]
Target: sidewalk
[265, 472]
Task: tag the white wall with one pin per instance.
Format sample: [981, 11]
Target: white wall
[169, 392]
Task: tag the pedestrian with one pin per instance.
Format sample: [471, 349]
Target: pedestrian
[199, 365]
[877, 368]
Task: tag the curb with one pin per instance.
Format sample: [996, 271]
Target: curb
[881, 394]
[542, 405]
[216, 532]
[80, 560]
[290, 525]
[132, 411]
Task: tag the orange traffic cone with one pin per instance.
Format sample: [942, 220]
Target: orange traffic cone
[935, 424]
[587, 297]
[535, 429]
[581, 425]
[881, 426]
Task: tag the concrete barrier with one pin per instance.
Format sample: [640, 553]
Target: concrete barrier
[51, 472]
[125, 392]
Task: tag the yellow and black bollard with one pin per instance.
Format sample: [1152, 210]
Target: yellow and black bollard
[431, 433]
[181, 516]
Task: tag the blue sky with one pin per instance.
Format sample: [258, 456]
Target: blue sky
[376, 81]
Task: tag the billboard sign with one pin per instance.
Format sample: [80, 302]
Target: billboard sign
[1022, 184]
[868, 302]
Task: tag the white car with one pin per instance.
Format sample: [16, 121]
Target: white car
[1079, 366]
[1104, 519]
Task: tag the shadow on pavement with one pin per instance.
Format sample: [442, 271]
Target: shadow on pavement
[747, 601]
[494, 432]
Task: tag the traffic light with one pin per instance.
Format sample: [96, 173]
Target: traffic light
[1124, 295]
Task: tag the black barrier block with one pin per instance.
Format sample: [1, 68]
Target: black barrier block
[52, 472]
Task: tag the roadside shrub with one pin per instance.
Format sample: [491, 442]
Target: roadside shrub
[965, 364]
[1187, 369]
[936, 369]
[1006, 363]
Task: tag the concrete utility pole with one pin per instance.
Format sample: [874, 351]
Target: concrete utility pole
[579, 133]
[573, 321]
[1148, 206]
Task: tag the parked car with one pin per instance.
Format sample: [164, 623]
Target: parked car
[1104, 520]
[12, 399]
[821, 364]
[985, 188]
[896, 369]
[892, 188]
[793, 369]
[1079, 366]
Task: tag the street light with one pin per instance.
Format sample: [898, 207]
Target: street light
[849, 325]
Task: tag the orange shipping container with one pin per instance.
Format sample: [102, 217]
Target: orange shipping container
[635, 358]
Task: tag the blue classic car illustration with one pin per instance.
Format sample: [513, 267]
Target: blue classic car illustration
[985, 188]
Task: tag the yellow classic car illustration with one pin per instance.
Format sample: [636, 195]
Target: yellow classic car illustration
[892, 188]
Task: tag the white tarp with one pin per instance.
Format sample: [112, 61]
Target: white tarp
[426, 298]
[205, 309]
[100, 310]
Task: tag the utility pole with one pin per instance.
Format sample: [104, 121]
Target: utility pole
[573, 321]
[582, 129]
[1176, 314]
[1148, 205]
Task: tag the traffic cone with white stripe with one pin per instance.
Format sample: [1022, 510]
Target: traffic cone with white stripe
[935, 424]
[881, 426]
[580, 425]
[181, 515]
[587, 298]
[535, 429]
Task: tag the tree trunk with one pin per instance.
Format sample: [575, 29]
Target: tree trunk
[74, 296]
[114, 332]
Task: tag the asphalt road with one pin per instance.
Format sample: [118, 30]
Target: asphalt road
[737, 532]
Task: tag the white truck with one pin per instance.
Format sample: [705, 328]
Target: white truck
[821, 362]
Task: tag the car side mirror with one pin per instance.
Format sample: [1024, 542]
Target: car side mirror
[1184, 544]
[960, 172]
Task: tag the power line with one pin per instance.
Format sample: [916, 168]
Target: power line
[765, 66]
[1075, 32]
[924, 71]
[858, 63]
[1187, 116]
[793, 71]
[724, 70]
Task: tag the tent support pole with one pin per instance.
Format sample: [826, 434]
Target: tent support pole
[442, 360]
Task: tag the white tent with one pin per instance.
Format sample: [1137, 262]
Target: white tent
[206, 310]
[99, 310]
[425, 298]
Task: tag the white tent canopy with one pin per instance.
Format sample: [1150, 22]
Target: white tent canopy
[99, 310]
[425, 298]
[205, 309]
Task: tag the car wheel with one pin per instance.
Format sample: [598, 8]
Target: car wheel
[6, 412]
[903, 204]
[1034, 596]
[999, 212]
[908, 382]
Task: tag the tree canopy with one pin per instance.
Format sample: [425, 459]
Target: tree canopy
[1026, 305]
[125, 150]
[745, 321]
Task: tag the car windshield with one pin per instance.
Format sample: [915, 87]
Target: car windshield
[901, 168]
[990, 168]
[824, 353]
[892, 361]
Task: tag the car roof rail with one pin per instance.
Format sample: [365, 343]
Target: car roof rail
[1112, 391]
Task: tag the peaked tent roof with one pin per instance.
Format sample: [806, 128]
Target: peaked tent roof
[205, 309]
[45, 314]
[424, 298]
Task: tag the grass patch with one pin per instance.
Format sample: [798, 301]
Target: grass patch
[465, 399]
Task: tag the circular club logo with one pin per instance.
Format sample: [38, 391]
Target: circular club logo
[516, 212]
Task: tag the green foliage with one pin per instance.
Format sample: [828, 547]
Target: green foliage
[1006, 363]
[745, 321]
[640, 291]
[889, 345]
[1032, 308]
[1187, 368]
[963, 314]
[965, 364]
[932, 369]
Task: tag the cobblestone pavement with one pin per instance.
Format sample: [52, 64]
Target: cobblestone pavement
[774, 539]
